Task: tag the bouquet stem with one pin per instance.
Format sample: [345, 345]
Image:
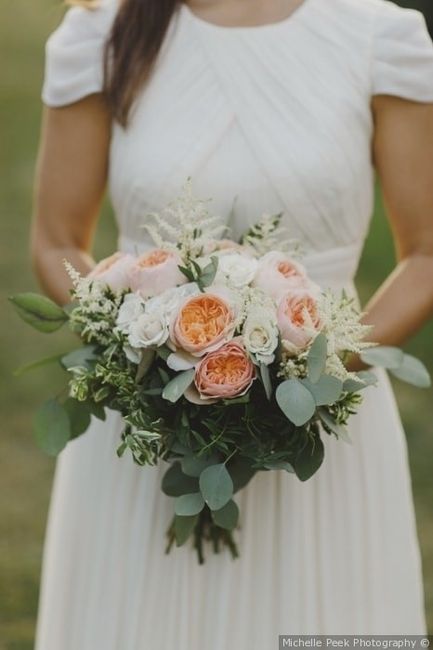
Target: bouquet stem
[205, 530]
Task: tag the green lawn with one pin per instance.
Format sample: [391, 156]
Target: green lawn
[25, 474]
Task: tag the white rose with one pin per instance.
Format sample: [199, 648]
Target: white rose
[149, 330]
[168, 301]
[132, 307]
[260, 335]
[236, 269]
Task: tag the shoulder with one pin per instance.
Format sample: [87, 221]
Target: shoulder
[378, 14]
[81, 21]
[393, 41]
[74, 53]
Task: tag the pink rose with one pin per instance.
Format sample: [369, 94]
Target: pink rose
[225, 373]
[298, 317]
[156, 271]
[114, 271]
[203, 323]
[278, 274]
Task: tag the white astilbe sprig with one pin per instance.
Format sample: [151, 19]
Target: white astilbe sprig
[342, 324]
[248, 299]
[185, 226]
[95, 307]
[268, 235]
[345, 333]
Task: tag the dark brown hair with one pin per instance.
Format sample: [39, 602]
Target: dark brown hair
[132, 47]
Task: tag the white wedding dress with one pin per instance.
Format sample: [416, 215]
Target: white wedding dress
[271, 118]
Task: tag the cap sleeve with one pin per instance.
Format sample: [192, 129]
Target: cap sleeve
[74, 54]
[402, 54]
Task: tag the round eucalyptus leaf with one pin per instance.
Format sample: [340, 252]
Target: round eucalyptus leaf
[227, 517]
[79, 358]
[241, 472]
[316, 359]
[216, 486]
[383, 356]
[178, 385]
[309, 459]
[362, 380]
[189, 505]
[194, 465]
[413, 371]
[296, 401]
[266, 380]
[338, 429]
[326, 390]
[175, 482]
[79, 416]
[280, 465]
[183, 528]
[51, 427]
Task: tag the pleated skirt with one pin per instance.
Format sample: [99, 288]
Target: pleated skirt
[335, 555]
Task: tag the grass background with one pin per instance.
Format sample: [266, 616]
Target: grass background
[26, 474]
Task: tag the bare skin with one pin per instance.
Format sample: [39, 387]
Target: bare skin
[72, 174]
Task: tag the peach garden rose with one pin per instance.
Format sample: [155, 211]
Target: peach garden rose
[114, 271]
[298, 318]
[225, 373]
[202, 324]
[277, 273]
[155, 271]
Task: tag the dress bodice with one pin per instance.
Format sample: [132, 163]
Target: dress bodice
[275, 118]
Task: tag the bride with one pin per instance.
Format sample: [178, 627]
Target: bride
[268, 105]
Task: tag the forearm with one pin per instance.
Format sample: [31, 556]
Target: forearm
[403, 303]
[50, 270]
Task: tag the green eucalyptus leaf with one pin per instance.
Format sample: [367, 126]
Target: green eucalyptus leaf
[338, 429]
[194, 465]
[413, 371]
[368, 377]
[188, 505]
[79, 416]
[266, 380]
[316, 360]
[207, 275]
[241, 472]
[51, 427]
[39, 311]
[309, 459]
[363, 379]
[35, 365]
[178, 385]
[296, 401]
[79, 358]
[280, 465]
[183, 528]
[216, 486]
[175, 482]
[97, 410]
[384, 356]
[326, 390]
[227, 517]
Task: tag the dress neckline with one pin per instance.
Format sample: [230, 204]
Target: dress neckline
[292, 18]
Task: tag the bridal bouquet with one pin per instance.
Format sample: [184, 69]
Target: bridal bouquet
[223, 358]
